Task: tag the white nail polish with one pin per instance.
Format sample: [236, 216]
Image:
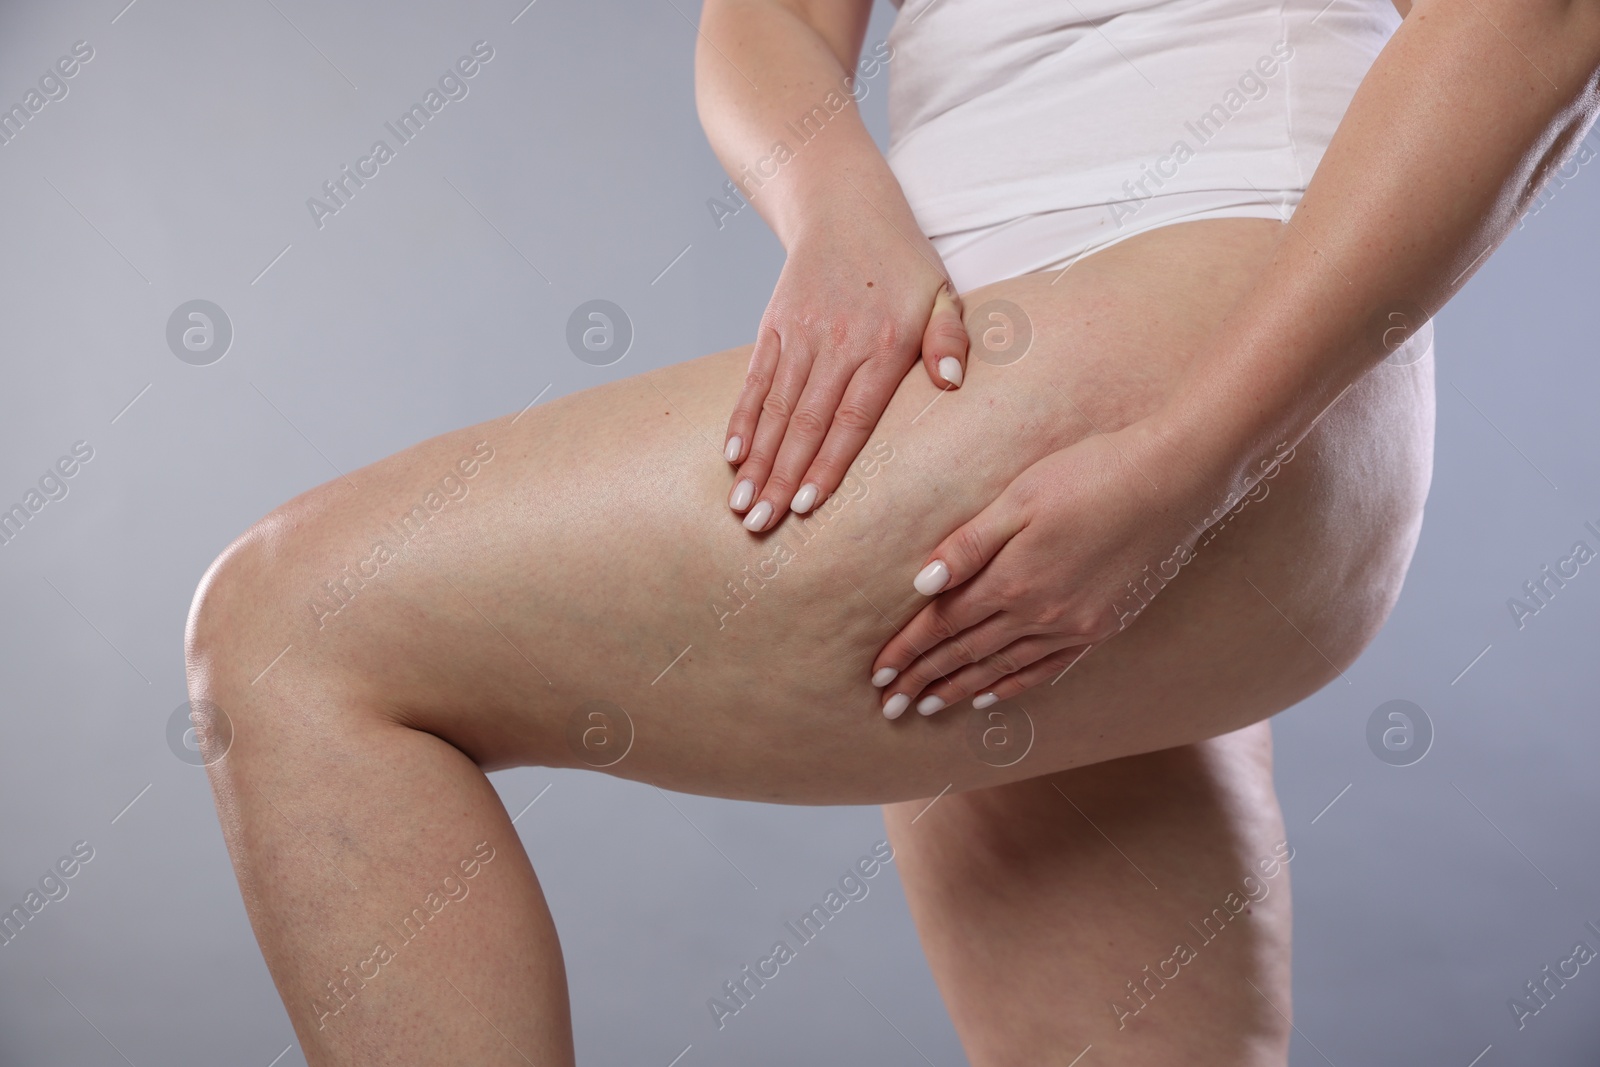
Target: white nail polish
[758, 517]
[932, 578]
[884, 676]
[732, 451]
[984, 700]
[804, 499]
[929, 704]
[950, 370]
[742, 495]
[895, 705]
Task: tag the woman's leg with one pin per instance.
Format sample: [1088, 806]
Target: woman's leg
[1125, 906]
[391, 896]
[564, 586]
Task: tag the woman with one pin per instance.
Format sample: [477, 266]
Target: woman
[1176, 392]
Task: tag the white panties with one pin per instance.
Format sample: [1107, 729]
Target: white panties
[1027, 133]
[1054, 240]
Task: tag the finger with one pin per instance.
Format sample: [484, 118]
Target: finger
[962, 554]
[757, 381]
[944, 341]
[807, 428]
[864, 402]
[981, 677]
[938, 621]
[788, 383]
[1043, 672]
[922, 684]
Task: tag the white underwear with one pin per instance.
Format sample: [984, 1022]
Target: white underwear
[1028, 133]
[1054, 240]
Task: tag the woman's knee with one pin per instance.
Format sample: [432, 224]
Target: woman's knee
[249, 627]
[220, 613]
[302, 626]
[219, 641]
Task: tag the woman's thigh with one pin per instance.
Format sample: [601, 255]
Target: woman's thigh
[567, 586]
[1051, 910]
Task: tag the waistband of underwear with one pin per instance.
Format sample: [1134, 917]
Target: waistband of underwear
[1054, 240]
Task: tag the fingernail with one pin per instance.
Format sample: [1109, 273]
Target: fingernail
[895, 705]
[804, 499]
[732, 451]
[984, 700]
[742, 495]
[758, 517]
[884, 676]
[929, 704]
[950, 370]
[931, 578]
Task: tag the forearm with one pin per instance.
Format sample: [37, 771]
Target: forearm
[774, 93]
[1465, 111]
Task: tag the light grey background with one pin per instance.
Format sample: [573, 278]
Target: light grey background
[178, 166]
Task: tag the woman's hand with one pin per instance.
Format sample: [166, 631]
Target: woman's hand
[858, 300]
[1064, 559]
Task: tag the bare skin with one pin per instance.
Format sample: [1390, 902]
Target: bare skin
[588, 561]
[1051, 910]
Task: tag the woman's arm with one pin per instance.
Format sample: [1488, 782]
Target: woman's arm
[1468, 107]
[762, 64]
[862, 292]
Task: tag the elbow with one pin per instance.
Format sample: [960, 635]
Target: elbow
[1561, 33]
[1581, 20]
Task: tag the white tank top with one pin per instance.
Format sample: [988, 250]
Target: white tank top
[1000, 109]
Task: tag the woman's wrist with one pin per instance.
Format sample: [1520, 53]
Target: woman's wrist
[1215, 456]
[826, 201]
[1252, 391]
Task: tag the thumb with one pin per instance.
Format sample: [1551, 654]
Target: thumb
[944, 341]
[963, 554]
